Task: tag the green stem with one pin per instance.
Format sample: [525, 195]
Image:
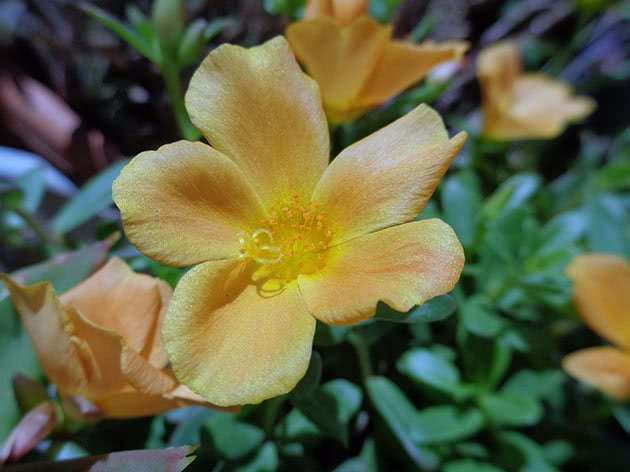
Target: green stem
[44, 236]
[363, 354]
[170, 73]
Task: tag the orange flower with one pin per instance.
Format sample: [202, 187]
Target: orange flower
[101, 341]
[519, 105]
[358, 65]
[342, 11]
[601, 293]
[279, 237]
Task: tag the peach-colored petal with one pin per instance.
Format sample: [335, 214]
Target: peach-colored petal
[118, 299]
[403, 64]
[142, 376]
[342, 11]
[101, 351]
[134, 404]
[601, 293]
[230, 342]
[339, 59]
[48, 326]
[258, 108]
[546, 106]
[185, 203]
[605, 368]
[402, 266]
[522, 106]
[386, 178]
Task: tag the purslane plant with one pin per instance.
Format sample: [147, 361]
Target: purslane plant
[279, 238]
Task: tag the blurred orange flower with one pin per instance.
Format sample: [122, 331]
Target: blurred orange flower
[355, 61]
[343, 12]
[518, 105]
[100, 341]
[279, 237]
[601, 293]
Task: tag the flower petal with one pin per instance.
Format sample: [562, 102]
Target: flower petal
[402, 65]
[402, 266]
[32, 428]
[545, 106]
[386, 178]
[232, 344]
[185, 203]
[101, 352]
[136, 404]
[343, 11]
[144, 377]
[48, 326]
[339, 59]
[258, 108]
[130, 304]
[605, 368]
[601, 293]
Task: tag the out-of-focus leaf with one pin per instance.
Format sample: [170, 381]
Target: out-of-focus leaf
[469, 465]
[122, 30]
[291, 8]
[188, 429]
[523, 453]
[231, 438]
[429, 370]
[348, 398]
[192, 43]
[328, 335]
[173, 459]
[365, 462]
[266, 460]
[540, 385]
[311, 379]
[511, 409]
[511, 194]
[65, 451]
[322, 408]
[93, 197]
[34, 427]
[27, 392]
[607, 228]
[461, 201]
[435, 309]
[445, 423]
[558, 452]
[399, 415]
[479, 318]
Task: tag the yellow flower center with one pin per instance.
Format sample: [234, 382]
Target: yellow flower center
[292, 241]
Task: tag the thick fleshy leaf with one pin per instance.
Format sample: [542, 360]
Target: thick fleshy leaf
[605, 368]
[130, 304]
[416, 261]
[233, 343]
[185, 203]
[386, 178]
[342, 11]
[340, 60]
[259, 109]
[601, 293]
[173, 459]
[403, 64]
[35, 426]
[45, 321]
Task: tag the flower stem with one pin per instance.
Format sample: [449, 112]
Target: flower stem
[44, 236]
[363, 354]
[271, 408]
[170, 73]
